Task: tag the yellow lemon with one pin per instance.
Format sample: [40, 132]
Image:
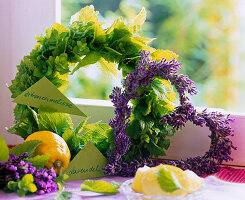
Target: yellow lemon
[52, 145]
[196, 182]
[136, 185]
[150, 185]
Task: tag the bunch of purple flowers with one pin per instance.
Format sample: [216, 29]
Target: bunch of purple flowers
[15, 168]
[144, 74]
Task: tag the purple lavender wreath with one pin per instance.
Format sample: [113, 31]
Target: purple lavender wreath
[144, 74]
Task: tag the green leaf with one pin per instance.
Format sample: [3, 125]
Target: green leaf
[155, 150]
[145, 138]
[60, 180]
[138, 21]
[28, 146]
[166, 180]
[63, 195]
[12, 185]
[39, 160]
[97, 129]
[116, 184]
[80, 126]
[91, 58]
[4, 150]
[53, 121]
[99, 187]
[165, 143]
[146, 123]
[21, 193]
[134, 129]
[160, 90]
[67, 135]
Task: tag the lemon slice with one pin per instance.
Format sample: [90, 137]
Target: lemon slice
[136, 185]
[150, 185]
[196, 182]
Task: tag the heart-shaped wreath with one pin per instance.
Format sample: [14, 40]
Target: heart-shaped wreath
[218, 124]
[148, 86]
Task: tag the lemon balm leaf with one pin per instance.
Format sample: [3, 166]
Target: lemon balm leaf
[28, 146]
[138, 21]
[99, 187]
[4, 150]
[166, 180]
[39, 160]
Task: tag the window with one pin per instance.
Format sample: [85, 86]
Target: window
[207, 35]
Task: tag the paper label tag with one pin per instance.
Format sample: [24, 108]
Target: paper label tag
[44, 93]
[88, 163]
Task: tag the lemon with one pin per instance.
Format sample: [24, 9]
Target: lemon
[196, 182]
[150, 185]
[136, 185]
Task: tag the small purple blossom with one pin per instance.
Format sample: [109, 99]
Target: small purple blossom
[15, 168]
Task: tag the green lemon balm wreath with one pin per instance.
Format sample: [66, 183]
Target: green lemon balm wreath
[155, 117]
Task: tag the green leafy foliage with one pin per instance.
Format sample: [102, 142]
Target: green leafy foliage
[91, 58]
[98, 134]
[80, 126]
[73, 140]
[23, 186]
[60, 180]
[99, 187]
[147, 135]
[53, 121]
[95, 132]
[39, 160]
[116, 184]
[63, 195]
[160, 90]
[77, 138]
[166, 180]
[28, 146]
[4, 150]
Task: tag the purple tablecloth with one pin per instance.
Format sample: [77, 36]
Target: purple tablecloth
[72, 186]
[213, 189]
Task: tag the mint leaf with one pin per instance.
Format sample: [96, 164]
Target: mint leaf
[4, 150]
[166, 180]
[39, 160]
[116, 184]
[99, 187]
[63, 195]
[28, 146]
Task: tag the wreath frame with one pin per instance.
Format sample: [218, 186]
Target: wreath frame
[145, 72]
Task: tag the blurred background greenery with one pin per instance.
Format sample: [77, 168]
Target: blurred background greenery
[206, 34]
